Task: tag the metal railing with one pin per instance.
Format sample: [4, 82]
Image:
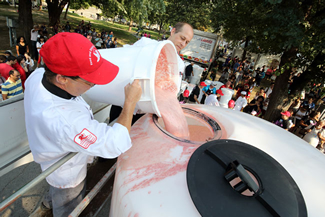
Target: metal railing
[76, 212]
[34, 182]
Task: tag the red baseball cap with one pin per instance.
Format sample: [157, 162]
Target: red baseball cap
[71, 54]
[220, 92]
[287, 113]
[203, 84]
[186, 93]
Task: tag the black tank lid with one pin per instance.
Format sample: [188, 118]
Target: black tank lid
[216, 164]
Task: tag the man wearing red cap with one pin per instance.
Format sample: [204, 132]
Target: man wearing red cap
[213, 99]
[194, 97]
[59, 121]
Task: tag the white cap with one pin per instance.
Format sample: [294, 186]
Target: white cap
[243, 92]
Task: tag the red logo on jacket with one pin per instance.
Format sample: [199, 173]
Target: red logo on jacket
[85, 138]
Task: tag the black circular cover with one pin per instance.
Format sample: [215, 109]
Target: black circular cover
[215, 163]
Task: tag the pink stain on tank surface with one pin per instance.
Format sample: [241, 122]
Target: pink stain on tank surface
[136, 215]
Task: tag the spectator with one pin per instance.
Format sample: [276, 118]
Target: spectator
[241, 102]
[12, 87]
[149, 36]
[8, 53]
[114, 43]
[6, 67]
[269, 90]
[246, 89]
[89, 37]
[40, 43]
[21, 46]
[310, 104]
[33, 38]
[284, 120]
[260, 93]
[212, 99]
[3, 59]
[21, 67]
[194, 96]
[189, 72]
[269, 73]
[314, 133]
[78, 30]
[98, 42]
[29, 62]
[260, 77]
[227, 85]
[111, 35]
[210, 89]
[236, 65]
[94, 34]
[67, 27]
[255, 105]
[296, 105]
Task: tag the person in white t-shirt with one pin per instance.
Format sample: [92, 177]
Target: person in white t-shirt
[312, 137]
[241, 102]
[40, 43]
[213, 98]
[33, 38]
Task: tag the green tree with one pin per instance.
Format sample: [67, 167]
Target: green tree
[289, 27]
[80, 4]
[197, 13]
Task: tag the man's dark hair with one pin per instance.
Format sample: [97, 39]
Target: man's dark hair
[11, 72]
[179, 26]
[3, 58]
[11, 58]
[20, 58]
[49, 75]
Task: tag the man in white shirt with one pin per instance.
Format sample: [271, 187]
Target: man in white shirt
[59, 121]
[33, 38]
[213, 98]
[241, 102]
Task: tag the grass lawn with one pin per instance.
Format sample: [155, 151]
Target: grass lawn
[41, 17]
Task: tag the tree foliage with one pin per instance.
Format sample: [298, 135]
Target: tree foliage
[293, 28]
[79, 4]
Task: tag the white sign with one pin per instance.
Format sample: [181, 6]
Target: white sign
[199, 49]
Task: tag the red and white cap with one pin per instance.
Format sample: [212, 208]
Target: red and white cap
[71, 54]
[287, 113]
[220, 92]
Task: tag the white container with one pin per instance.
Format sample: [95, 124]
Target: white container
[217, 84]
[135, 62]
[197, 71]
[227, 94]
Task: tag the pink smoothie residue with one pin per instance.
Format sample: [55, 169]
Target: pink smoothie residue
[168, 105]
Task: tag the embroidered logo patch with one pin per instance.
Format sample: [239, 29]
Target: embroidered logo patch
[85, 138]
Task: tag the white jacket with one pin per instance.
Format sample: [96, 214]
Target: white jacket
[56, 126]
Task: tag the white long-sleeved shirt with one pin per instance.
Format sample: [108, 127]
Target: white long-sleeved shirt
[57, 126]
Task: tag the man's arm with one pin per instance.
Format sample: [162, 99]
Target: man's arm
[132, 96]
[196, 99]
[4, 96]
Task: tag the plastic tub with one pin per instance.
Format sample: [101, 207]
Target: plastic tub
[135, 62]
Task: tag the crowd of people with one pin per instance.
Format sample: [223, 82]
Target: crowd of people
[27, 59]
[302, 117]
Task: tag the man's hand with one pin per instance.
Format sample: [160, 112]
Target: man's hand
[132, 96]
[132, 92]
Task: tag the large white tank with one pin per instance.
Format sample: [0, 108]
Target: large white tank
[151, 177]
